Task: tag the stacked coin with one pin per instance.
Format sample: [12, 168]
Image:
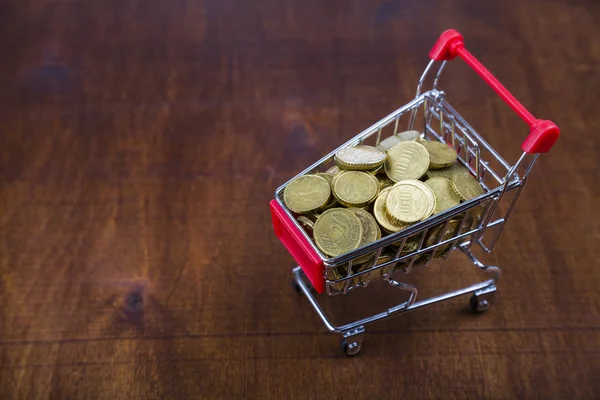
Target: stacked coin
[370, 190]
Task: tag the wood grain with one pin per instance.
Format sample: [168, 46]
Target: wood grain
[141, 141]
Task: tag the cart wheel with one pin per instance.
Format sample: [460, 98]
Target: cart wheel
[479, 304]
[350, 348]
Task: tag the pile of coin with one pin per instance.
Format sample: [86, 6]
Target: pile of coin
[375, 191]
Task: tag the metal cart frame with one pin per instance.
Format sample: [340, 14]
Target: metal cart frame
[477, 221]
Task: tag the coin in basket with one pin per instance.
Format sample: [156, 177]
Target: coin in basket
[406, 160]
[377, 170]
[360, 158]
[445, 196]
[465, 185]
[333, 170]
[306, 193]
[385, 182]
[388, 143]
[446, 172]
[355, 188]
[438, 235]
[333, 274]
[393, 140]
[409, 245]
[307, 224]
[410, 201]
[382, 217]
[332, 201]
[375, 274]
[337, 231]
[371, 231]
[328, 176]
[408, 136]
[440, 154]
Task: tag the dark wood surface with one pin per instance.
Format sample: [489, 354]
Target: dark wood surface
[142, 140]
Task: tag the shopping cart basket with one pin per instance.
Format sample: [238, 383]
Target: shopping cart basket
[477, 221]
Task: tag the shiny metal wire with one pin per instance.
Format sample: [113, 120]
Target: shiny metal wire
[443, 123]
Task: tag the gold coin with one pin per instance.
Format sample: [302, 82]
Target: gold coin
[355, 188]
[445, 196]
[376, 170]
[332, 201]
[335, 273]
[410, 201]
[393, 140]
[371, 231]
[371, 276]
[440, 154]
[406, 160]
[337, 231]
[385, 182]
[446, 172]
[388, 143]
[360, 157]
[466, 186]
[411, 244]
[334, 170]
[307, 224]
[381, 215]
[306, 193]
[434, 234]
[408, 136]
[327, 175]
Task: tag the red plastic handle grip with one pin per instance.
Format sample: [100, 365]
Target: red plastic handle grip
[543, 133]
[298, 246]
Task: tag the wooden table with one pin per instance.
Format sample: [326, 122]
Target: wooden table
[142, 140]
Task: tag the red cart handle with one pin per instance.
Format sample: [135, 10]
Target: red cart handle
[543, 133]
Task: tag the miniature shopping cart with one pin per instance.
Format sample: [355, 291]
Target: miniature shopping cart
[477, 221]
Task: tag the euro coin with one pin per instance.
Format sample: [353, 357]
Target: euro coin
[385, 182]
[376, 170]
[437, 235]
[333, 274]
[406, 160]
[328, 176]
[307, 224]
[466, 186]
[332, 201]
[360, 158]
[389, 142]
[382, 217]
[355, 188]
[446, 172]
[333, 170]
[375, 274]
[410, 244]
[410, 201]
[306, 193]
[371, 231]
[408, 136]
[445, 196]
[337, 231]
[393, 140]
[440, 154]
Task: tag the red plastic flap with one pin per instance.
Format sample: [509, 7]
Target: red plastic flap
[298, 246]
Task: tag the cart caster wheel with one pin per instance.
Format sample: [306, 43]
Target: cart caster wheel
[479, 304]
[350, 348]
